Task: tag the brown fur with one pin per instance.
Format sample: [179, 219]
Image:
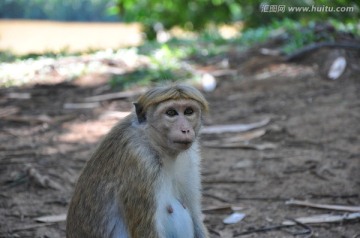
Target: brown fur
[124, 171]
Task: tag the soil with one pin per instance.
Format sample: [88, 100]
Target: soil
[314, 154]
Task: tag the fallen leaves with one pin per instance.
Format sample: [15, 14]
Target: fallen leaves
[234, 218]
[51, 218]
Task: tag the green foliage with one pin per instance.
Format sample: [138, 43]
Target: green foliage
[166, 59]
[6, 56]
[296, 34]
[258, 13]
[197, 15]
[255, 35]
[145, 76]
[164, 65]
[187, 14]
[62, 10]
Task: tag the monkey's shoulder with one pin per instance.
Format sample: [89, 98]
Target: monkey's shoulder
[130, 141]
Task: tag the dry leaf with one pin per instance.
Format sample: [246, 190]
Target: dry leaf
[337, 68]
[52, 218]
[234, 218]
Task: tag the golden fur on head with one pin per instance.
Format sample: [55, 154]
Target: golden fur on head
[161, 94]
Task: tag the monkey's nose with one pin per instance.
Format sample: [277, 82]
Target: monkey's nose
[185, 131]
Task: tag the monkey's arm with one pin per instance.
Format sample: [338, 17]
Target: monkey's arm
[136, 193]
[191, 195]
[200, 230]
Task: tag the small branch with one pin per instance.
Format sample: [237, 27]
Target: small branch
[28, 227]
[279, 199]
[324, 206]
[113, 96]
[218, 181]
[216, 197]
[307, 229]
[346, 196]
[325, 218]
[89, 105]
[219, 129]
[261, 229]
[309, 48]
[214, 232]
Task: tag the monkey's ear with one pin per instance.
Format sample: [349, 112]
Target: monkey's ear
[139, 113]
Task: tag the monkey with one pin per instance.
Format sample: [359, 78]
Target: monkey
[143, 180]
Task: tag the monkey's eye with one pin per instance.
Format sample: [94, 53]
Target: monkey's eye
[171, 112]
[188, 111]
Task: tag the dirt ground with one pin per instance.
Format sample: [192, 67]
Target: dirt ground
[314, 154]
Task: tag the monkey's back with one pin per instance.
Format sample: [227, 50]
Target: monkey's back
[100, 196]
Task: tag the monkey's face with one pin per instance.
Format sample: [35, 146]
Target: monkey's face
[176, 123]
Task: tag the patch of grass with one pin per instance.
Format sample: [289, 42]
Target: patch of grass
[145, 76]
[164, 65]
[6, 56]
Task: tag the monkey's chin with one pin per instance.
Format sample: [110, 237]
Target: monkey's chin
[182, 145]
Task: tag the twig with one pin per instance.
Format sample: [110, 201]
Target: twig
[280, 199]
[214, 232]
[29, 119]
[261, 229]
[18, 152]
[307, 49]
[308, 231]
[222, 208]
[325, 218]
[324, 206]
[28, 227]
[346, 196]
[216, 181]
[263, 146]
[7, 111]
[89, 105]
[216, 197]
[19, 95]
[113, 96]
[218, 129]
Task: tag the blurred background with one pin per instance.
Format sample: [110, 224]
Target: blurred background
[286, 72]
[183, 29]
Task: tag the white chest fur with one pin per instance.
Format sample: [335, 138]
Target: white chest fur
[173, 215]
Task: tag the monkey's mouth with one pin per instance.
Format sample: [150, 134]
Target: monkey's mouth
[184, 142]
